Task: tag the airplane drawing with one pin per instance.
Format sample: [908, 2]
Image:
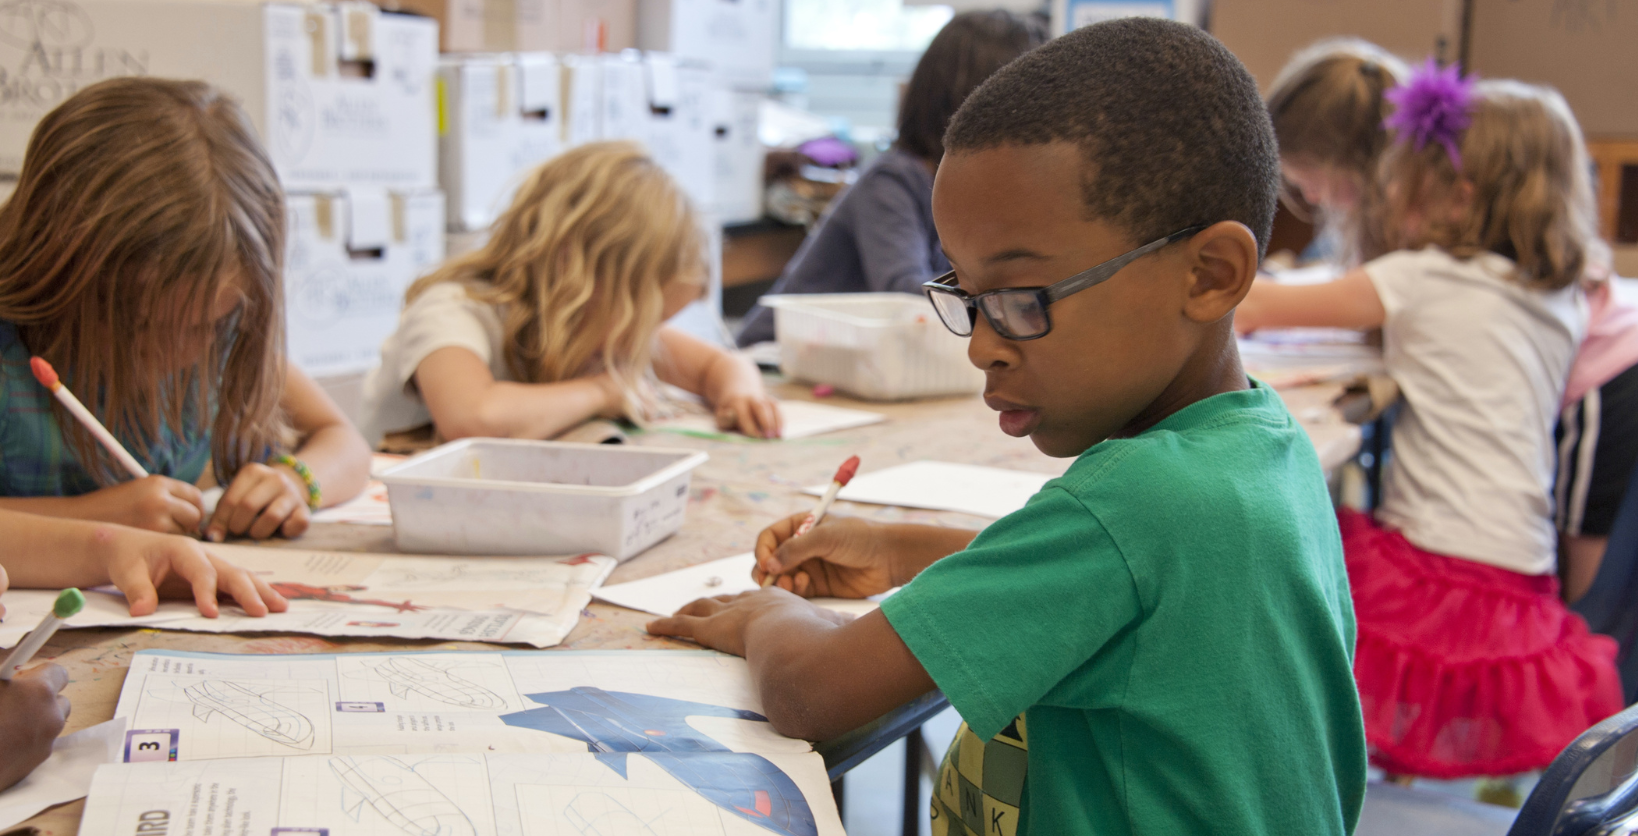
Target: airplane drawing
[614, 725]
[599, 814]
[259, 713]
[393, 789]
[404, 674]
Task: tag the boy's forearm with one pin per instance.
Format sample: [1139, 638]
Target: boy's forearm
[819, 678]
[915, 547]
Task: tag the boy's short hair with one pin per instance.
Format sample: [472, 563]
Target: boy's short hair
[1170, 125]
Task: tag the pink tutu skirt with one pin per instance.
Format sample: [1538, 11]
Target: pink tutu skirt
[1464, 668]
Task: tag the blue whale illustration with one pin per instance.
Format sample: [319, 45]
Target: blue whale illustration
[614, 725]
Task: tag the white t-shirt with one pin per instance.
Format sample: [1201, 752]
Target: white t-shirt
[1482, 362]
[443, 316]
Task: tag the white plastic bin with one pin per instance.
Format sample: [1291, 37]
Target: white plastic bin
[499, 496]
[877, 346]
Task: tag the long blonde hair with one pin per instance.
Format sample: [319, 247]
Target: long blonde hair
[1532, 200]
[138, 200]
[1327, 106]
[578, 264]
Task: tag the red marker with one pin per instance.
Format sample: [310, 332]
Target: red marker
[47, 376]
[844, 475]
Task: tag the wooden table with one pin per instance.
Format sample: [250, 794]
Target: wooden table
[745, 486]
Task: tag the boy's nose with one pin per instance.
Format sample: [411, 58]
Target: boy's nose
[988, 350]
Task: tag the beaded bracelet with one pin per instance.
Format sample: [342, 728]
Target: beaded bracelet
[313, 495]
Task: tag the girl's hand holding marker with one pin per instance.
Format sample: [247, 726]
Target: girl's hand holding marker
[264, 499]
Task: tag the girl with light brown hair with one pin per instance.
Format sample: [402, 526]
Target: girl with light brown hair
[140, 255]
[1327, 107]
[560, 317]
[1468, 663]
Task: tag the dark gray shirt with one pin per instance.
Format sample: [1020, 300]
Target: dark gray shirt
[878, 236]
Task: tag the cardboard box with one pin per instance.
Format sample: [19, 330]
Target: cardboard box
[1589, 51]
[623, 97]
[527, 25]
[738, 38]
[585, 26]
[680, 125]
[738, 155]
[349, 259]
[341, 94]
[582, 99]
[1266, 33]
[1067, 15]
[502, 116]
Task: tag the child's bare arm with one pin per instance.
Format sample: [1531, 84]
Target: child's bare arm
[727, 380]
[157, 503]
[268, 499]
[1348, 302]
[466, 401]
[819, 674]
[46, 553]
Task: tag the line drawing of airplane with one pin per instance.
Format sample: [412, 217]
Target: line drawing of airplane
[257, 712]
[404, 674]
[614, 725]
[394, 789]
[599, 814]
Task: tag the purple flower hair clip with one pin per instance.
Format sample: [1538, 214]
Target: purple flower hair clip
[1433, 107]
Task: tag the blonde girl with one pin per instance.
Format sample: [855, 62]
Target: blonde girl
[1467, 661]
[559, 317]
[1327, 106]
[140, 255]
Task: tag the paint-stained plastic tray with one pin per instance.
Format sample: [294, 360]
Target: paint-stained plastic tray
[502, 496]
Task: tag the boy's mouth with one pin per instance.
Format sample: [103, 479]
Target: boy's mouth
[1017, 420]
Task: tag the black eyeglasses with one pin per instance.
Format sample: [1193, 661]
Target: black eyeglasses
[1020, 313]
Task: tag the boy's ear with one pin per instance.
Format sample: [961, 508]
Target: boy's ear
[1222, 264]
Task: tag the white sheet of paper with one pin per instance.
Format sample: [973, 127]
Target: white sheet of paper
[801, 419]
[510, 600]
[66, 775]
[368, 508]
[666, 593]
[944, 486]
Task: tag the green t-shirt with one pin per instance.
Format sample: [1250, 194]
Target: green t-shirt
[1172, 619]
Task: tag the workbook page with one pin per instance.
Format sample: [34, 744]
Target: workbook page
[564, 794]
[199, 706]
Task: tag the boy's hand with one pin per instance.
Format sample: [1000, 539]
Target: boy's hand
[156, 503]
[261, 502]
[32, 714]
[719, 623]
[842, 557]
[750, 411]
[145, 566]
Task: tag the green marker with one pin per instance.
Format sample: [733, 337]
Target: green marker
[69, 602]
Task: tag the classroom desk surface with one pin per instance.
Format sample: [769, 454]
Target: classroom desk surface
[746, 485]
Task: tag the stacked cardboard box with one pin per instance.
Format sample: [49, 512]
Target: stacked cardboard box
[341, 94]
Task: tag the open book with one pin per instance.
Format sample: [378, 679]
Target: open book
[453, 744]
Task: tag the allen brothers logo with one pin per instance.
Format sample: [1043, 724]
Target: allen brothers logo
[49, 54]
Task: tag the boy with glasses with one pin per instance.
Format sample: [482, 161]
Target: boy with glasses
[1161, 640]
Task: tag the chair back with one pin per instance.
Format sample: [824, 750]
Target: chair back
[1590, 788]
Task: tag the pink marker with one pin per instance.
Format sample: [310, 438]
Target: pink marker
[844, 475]
[47, 376]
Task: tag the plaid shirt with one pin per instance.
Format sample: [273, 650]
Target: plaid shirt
[35, 461]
